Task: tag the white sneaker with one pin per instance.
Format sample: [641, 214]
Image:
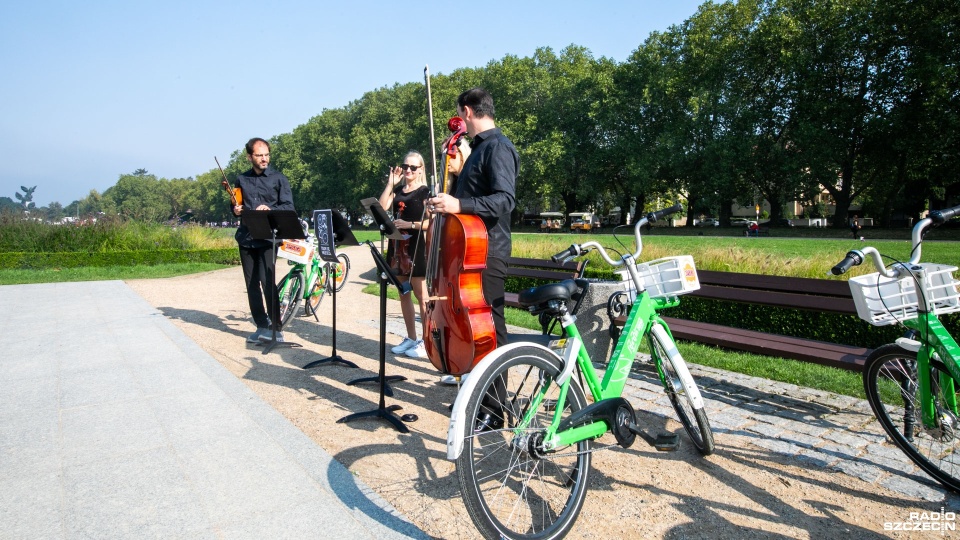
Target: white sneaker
[451, 379]
[418, 350]
[404, 346]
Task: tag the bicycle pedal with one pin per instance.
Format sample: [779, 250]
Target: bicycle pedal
[666, 442]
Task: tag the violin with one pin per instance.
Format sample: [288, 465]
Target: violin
[459, 328]
[236, 196]
[401, 256]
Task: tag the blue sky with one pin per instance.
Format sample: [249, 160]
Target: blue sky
[93, 90]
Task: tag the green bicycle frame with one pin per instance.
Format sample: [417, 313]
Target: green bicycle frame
[936, 340]
[643, 315]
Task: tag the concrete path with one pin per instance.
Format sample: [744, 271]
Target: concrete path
[113, 424]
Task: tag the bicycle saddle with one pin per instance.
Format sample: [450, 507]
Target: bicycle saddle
[547, 297]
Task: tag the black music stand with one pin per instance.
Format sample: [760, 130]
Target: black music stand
[272, 225]
[387, 230]
[341, 235]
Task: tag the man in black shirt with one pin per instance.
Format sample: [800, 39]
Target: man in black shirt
[261, 188]
[486, 187]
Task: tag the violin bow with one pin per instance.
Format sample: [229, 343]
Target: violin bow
[226, 184]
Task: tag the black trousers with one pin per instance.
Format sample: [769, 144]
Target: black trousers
[258, 275]
[493, 278]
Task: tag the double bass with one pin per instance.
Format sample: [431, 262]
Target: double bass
[459, 328]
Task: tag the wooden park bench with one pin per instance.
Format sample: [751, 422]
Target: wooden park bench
[543, 271]
[774, 291]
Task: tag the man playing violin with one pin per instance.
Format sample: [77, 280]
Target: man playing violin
[486, 187]
[262, 188]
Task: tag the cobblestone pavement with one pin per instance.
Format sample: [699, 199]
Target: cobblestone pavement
[821, 429]
[817, 428]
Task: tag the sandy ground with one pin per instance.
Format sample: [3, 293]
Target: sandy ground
[739, 492]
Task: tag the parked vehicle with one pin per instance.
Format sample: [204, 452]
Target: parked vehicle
[551, 221]
[708, 222]
[584, 221]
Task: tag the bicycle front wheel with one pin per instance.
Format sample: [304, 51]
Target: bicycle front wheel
[315, 294]
[341, 271]
[890, 379]
[291, 294]
[694, 420]
[512, 486]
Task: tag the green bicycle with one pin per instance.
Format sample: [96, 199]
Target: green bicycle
[521, 430]
[308, 281]
[912, 384]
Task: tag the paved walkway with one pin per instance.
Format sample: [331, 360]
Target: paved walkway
[113, 424]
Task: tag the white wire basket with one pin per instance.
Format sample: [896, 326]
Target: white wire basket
[670, 276]
[296, 250]
[883, 301]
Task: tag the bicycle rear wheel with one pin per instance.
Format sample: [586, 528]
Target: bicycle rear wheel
[694, 420]
[512, 486]
[892, 387]
[291, 294]
[341, 271]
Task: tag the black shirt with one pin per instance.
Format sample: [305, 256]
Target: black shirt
[486, 187]
[270, 188]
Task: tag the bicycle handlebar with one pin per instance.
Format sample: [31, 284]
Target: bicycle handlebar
[853, 258]
[942, 216]
[578, 250]
[856, 257]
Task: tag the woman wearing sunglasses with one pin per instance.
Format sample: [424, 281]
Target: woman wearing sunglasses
[404, 194]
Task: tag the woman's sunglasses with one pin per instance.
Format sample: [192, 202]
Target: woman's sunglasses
[413, 168]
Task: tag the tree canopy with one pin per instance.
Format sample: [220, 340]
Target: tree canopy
[776, 100]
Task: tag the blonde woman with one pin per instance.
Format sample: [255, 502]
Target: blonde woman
[404, 194]
[455, 163]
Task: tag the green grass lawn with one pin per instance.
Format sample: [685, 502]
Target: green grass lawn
[785, 252]
[57, 275]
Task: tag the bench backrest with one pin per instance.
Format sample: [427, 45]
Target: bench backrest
[790, 292]
[545, 269]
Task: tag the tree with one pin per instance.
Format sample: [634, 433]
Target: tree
[26, 198]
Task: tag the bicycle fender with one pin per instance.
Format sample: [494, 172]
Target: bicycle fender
[686, 380]
[459, 423]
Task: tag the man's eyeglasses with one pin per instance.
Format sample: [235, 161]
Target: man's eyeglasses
[258, 156]
[413, 168]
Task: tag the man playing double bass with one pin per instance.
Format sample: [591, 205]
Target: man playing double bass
[486, 187]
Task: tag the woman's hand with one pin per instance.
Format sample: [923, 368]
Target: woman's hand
[396, 177]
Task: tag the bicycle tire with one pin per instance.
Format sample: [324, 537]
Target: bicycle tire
[315, 293]
[694, 420]
[890, 382]
[510, 489]
[291, 294]
[341, 271]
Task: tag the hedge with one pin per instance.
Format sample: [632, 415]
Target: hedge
[30, 261]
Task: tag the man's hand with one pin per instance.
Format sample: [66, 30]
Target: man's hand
[443, 204]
